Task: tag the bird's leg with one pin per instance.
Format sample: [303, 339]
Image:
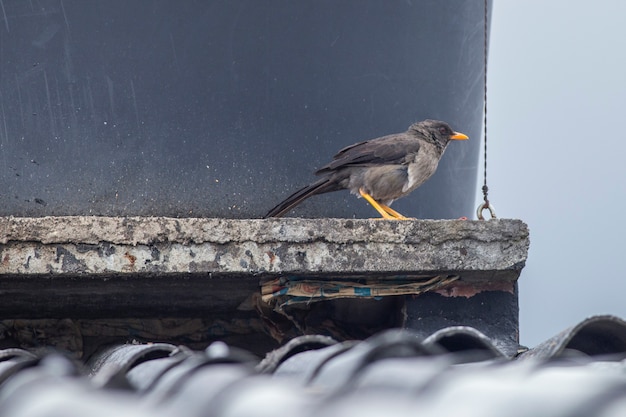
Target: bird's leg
[393, 212]
[377, 206]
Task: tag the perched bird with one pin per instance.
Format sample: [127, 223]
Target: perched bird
[381, 170]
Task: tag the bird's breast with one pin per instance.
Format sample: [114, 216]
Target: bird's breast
[421, 168]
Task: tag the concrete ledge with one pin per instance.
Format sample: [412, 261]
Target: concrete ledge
[145, 246]
[93, 272]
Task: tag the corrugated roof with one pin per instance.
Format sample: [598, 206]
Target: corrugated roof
[455, 371]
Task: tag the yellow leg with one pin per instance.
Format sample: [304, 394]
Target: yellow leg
[375, 204]
[394, 213]
[384, 211]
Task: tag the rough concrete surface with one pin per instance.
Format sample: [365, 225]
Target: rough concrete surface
[77, 245]
[93, 270]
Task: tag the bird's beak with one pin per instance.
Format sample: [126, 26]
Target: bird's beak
[459, 136]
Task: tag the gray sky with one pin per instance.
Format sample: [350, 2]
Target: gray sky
[557, 94]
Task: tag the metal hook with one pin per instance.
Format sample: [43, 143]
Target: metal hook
[482, 207]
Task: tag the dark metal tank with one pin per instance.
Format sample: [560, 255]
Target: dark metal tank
[223, 108]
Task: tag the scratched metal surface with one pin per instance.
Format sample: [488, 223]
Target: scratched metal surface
[189, 108]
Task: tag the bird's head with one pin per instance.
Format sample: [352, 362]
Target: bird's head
[437, 132]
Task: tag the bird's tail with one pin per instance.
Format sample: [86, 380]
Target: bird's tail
[324, 185]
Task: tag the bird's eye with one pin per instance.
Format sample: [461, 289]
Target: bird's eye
[443, 130]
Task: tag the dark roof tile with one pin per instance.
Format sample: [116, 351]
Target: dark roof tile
[595, 336]
[454, 371]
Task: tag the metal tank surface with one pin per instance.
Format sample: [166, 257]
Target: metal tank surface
[222, 109]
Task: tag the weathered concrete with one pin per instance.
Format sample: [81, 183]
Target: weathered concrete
[133, 271]
[136, 246]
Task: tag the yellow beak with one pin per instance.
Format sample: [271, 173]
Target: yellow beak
[459, 136]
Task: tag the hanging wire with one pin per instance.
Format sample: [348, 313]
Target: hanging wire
[485, 205]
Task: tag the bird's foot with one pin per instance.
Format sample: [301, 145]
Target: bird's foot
[392, 218]
[385, 211]
[394, 214]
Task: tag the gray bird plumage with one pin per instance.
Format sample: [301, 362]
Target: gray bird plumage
[382, 169]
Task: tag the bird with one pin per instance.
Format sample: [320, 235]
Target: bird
[380, 170]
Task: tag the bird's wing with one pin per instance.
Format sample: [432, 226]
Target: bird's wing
[393, 149]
